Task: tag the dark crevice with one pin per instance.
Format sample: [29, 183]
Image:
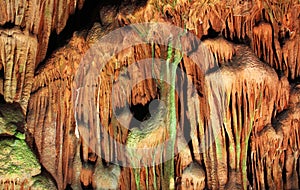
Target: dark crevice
[265, 173]
[8, 25]
[2, 100]
[2, 73]
[211, 33]
[298, 170]
[227, 144]
[250, 173]
[295, 80]
[284, 177]
[86, 187]
[141, 112]
[68, 187]
[47, 175]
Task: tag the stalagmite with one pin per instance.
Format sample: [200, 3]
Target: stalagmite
[76, 167]
[193, 177]
[106, 177]
[147, 139]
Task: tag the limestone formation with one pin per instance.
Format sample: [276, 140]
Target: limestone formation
[229, 83]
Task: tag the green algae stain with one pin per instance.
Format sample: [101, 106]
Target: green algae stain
[40, 182]
[17, 160]
[20, 136]
[11, 118]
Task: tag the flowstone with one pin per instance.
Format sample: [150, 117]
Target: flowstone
[19, 167]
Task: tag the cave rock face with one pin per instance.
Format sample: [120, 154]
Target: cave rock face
[232, 124]
[24, 36]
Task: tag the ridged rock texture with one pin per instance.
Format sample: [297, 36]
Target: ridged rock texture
[25, 34]
[237, 119]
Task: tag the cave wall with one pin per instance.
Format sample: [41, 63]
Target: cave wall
[254, 45]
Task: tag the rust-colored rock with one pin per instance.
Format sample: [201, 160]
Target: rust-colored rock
[222, 50]
[246, 91]
[39, 18]
[275, 150]
[51, 100]
[18, 54]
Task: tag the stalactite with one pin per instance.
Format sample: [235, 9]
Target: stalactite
[39, 18]
[216, 93]
[247, 108]
[51, 100]
[18, 60]
[291, 57]
[151, 135]
[276, 144]
[222, 50]
[263, 43]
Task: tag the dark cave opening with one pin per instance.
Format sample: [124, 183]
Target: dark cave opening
[210, 34]
[2, 72]
[143, 112]
[8, 25]
[250, 172]
[2, 101]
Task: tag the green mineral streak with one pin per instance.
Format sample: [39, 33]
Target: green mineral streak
[247, 137]
[231, 143]
[154, 178]
[142, 32]
[168, 74]
[21, 68]
[219, 148]
[172, 106]
[238, 152]
[137, 177]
